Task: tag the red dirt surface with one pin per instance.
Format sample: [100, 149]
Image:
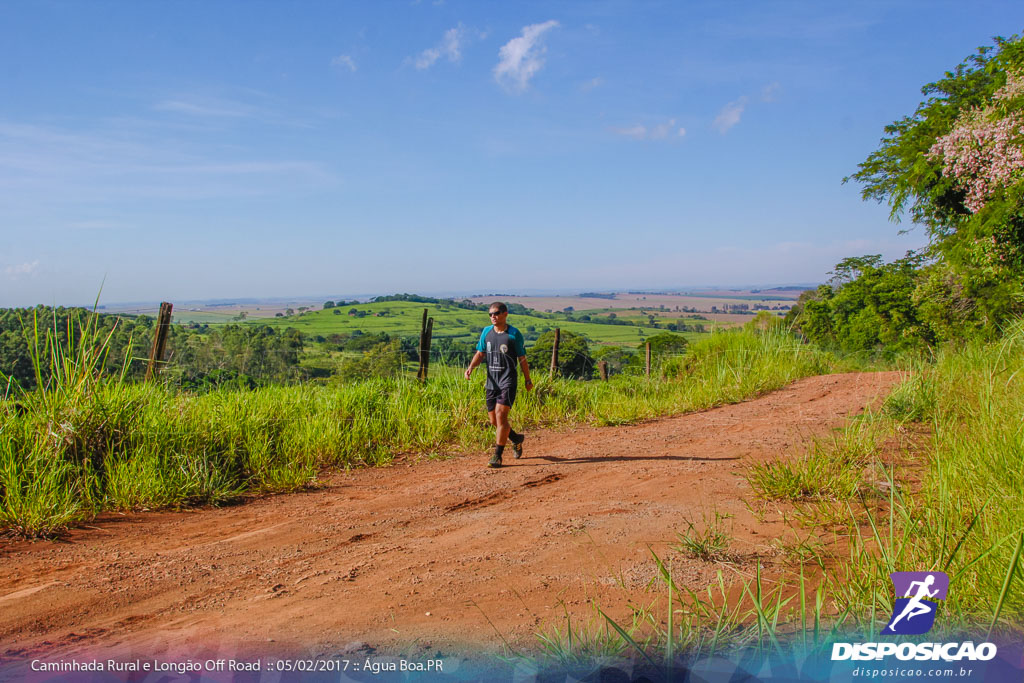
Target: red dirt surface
[425, 555]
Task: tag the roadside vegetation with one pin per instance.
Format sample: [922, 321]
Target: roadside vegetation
[85, 440]
[932, 480]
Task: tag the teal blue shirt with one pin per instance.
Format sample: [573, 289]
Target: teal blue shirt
[503, 349]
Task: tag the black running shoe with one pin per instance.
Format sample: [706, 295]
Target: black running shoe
[495, 461]
[517, 447]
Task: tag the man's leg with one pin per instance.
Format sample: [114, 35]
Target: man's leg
[496, 417]
[516, 439]
[501, 423]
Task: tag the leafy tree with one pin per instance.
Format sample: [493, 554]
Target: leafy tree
[665, 344]
[617, 358]
[383, 360]
[868, 305]
[448, 350]
[762, 322]
[574, 359]
[956, 166]
[365, 342]
[328, 304]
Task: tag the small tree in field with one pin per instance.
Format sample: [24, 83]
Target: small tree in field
[574, 359]
[665, 344]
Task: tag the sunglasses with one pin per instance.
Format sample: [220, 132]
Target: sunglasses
[494, 313]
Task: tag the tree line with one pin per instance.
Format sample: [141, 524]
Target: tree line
[201, 357]
[198, 356]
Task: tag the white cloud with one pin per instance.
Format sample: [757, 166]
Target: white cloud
[206, 107]
[636, 132]
[521, 58]
[592, 83]
[660, 131]
[770, 92]
[344, 62]
[22, 269]
[112, 165]
[450, 47]
[730, 115]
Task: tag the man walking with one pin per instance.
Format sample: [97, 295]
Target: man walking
[502, 345]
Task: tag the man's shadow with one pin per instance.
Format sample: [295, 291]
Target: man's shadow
[554, 459]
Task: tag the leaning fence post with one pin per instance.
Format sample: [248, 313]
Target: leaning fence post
[602, 368]
[424, 350]
[648, 354]
[554, 352]
[426, 347]
[156, 353]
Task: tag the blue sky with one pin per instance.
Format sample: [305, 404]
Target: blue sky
[193, 150]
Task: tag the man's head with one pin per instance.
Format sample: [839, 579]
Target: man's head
[498, 312]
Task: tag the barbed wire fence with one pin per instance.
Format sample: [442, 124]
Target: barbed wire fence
[646, 361]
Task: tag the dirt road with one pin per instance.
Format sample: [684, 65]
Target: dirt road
[424, 555]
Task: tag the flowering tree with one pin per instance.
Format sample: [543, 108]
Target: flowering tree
[957, 164]
[956, 167]
[984, 151]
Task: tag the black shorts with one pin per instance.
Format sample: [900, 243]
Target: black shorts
[505, 396]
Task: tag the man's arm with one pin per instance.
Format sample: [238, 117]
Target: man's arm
[526, 372]
[478, 358]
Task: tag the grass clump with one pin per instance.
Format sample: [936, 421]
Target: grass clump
[710, 543]
[587, 644]
[827, 471]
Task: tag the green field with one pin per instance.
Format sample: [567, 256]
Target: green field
[204, 317]
[403, 319]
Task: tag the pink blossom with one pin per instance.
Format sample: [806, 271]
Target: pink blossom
[984, 151]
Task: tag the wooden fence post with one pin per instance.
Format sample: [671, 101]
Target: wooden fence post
[648, 353]
[602, 368]
[554, 352]
[424, 350]
[156, 353]
[426, 347]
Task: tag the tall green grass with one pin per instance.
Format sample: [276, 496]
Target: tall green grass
[947, 499]
[949, 502]
[932, 481]
[967, 516]
[82, 443]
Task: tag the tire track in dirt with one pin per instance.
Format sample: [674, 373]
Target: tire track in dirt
[421, 555]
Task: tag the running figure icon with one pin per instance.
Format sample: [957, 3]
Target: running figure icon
[915, 606]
